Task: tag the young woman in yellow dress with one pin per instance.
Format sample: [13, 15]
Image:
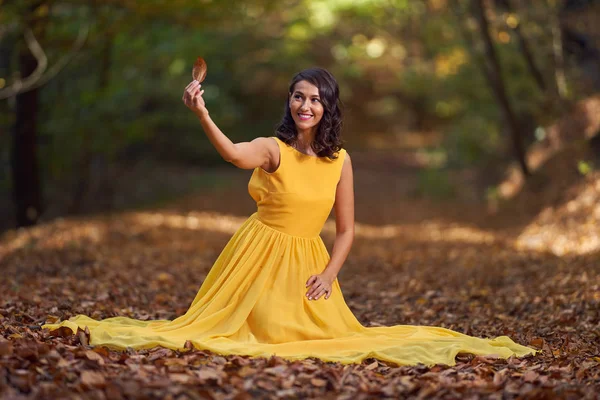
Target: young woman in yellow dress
[273, 289]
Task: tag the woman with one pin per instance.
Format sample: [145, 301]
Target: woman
[273, 289]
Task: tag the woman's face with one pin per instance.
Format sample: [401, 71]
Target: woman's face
[306, 106]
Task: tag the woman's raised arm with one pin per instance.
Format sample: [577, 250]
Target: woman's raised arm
[261, 151]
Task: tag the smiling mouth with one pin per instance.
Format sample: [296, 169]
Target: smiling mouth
[304, 116]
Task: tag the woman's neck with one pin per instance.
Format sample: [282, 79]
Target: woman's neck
[305, 138]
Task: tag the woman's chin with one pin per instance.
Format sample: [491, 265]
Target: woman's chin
[304, 125]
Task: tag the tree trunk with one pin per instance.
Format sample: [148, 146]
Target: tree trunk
[27, 189]
[558, 57]
[496, 81]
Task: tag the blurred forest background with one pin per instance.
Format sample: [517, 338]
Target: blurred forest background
[473, 127]
[462, 98]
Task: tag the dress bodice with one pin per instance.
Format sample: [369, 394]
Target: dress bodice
[296, 198]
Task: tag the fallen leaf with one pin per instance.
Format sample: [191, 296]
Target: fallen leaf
[92, 355]
[92, 379]
[206, 374]
[537, 342]
[530, 376]
[372, 366]
[6, 348]
[199, 70]
[318, 382]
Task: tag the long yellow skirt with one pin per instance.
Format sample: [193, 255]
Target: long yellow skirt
[253, 302]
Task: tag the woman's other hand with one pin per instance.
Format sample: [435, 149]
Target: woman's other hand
[320, 285]
[192, 97]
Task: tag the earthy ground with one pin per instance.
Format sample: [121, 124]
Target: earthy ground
[532, 275]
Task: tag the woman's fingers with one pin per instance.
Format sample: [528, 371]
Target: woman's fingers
[193, 90]
[315, 288]
[198, 100]
[321, 293]
[318, 288]
[191, 84]
[190, 89]
[317, 284]
[192, 96]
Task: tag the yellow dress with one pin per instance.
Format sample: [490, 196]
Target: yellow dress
[253, 301]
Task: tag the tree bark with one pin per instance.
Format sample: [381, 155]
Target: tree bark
[27, 189]
[558, 56]
[496, 81]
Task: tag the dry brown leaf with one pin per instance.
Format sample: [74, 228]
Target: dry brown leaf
[266, 385]
[372, 366]
[6, 348]
[181, 378]
[207, 373]
[199, 70]
[537, 342]
[246, 370]
[83, 337]
[92, 355]
[92, 379]
[530, 376]
[500, 377]
[318, 382]
[277, 370]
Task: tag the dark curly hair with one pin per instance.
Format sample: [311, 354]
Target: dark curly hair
[328, 139]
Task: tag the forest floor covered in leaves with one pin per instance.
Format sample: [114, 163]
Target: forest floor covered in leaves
[533, 277]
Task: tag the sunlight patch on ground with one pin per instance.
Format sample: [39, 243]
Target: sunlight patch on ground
[194, 221]
[571, 228]
[427, 231]
[56, 235]
[558, 242]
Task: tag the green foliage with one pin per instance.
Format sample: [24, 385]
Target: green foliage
[401, 65]
[584, 167]
[471, 138]
[435, 182]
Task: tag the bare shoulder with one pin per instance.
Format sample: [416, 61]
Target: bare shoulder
[266, 144]
[270, 148]
[346, 175]
[347, 160]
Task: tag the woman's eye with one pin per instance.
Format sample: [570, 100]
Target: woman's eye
[297, 96]
[317, 100]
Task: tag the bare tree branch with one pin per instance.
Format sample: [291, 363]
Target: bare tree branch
[42, 74]
[534, 69]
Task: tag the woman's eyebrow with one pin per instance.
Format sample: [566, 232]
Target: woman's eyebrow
[299, 92]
